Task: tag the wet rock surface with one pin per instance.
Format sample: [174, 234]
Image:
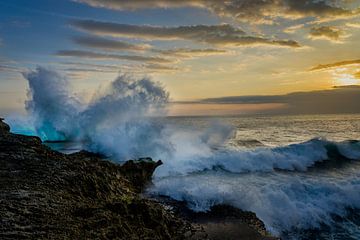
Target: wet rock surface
[221, 222]
[48, 195]
[4, 128]
[45, 194]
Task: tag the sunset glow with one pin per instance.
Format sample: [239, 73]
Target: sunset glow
[196, 49]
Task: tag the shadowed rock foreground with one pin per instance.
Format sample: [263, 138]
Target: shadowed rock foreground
[45, 194]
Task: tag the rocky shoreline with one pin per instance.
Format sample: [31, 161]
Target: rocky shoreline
[45, 194]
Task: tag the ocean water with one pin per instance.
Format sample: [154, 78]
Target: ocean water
[299, 174]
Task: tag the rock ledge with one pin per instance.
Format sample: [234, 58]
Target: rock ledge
[45, 194]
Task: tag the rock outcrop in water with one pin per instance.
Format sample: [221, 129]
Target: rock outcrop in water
[45, 194]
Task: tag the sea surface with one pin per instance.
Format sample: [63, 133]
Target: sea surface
[299, 174]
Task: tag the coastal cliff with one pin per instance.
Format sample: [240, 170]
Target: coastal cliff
[45, 194]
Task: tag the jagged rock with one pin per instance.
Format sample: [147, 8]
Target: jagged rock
[139, 172]
[45, 194]
[221, 221]
[4, 128]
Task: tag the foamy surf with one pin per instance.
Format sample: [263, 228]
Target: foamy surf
[285, 201]
[294, 157]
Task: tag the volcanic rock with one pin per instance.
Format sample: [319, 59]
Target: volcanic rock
[45, 194]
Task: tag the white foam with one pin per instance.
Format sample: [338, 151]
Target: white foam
[191, 155]
[117, 121]
[282, 200]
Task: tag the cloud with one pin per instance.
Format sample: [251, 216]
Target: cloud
[107, 44]
[353, 24]
[318, 9]
[222, 35]
[294, 28]
[189, 53]
[336, 64]
[105, 68]
[84, 69]
[357, 75]
[9, 68]
[326, 32]
[341, 99]
[91, 65]
[140, 4]
[95, 55]
[115, 45]
[259, 11]
[160, 67]
[4, 68]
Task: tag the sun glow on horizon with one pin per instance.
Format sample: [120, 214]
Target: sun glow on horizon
[342, 76]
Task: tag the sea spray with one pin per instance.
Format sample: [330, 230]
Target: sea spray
[124, 121]
[51, 106]
[120, 121]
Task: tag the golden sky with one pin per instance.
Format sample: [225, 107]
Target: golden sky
[197, 49]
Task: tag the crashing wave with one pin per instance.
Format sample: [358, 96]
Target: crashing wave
[294, 157]
[117, 121]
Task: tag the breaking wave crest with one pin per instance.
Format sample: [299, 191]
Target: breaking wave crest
[287, 201]
[295, 157]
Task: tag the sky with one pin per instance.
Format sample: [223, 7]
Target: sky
[207, 54]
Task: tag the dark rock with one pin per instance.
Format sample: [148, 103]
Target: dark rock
[140, 172]
[221, 221]
[45, 194]
[4, 128]
[87, 154]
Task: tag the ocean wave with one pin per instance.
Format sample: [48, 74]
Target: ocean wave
[285, 201]
[294, 157]
[272, 182]
[247, 143]
[117, 121]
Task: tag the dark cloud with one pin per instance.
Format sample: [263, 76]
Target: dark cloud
[95, 55]
[261, 11]
[222, 35]
[89, 70]
[187, 52]
[89, 67]
[160, 67]
[149, 67]
[107, 44]
[115, 45]
[196, 32]
[327, 32]
[336, 64]
[319, 9]
[342, 99]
